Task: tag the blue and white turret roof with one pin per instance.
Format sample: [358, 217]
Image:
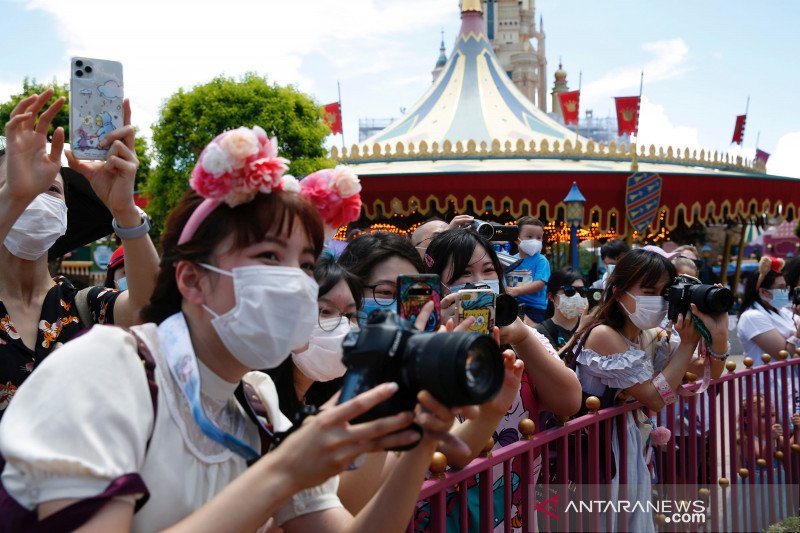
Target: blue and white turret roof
[472, 99]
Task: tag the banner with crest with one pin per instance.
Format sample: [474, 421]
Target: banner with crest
[642, 198]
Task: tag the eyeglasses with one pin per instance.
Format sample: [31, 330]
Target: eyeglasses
[382, 292]
[570, 290]
[326, 314]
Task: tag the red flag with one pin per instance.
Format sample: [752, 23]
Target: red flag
[570, 102]
[738, 130]
[333, 117]
[627, 114]
[762, 156]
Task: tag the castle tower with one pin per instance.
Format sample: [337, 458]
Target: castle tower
[560, 86]
[510, 27]
[439, 62]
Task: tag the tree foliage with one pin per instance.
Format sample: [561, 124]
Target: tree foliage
[191, 119]
[31, 86]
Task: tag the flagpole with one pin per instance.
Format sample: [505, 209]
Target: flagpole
[341, 115]
[635, 143]
[578, 122]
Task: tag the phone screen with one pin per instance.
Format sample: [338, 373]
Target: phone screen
[479, 304]
[414, 291]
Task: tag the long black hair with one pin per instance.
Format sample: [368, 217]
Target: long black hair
[370, 249]
[458, 245]
[328, 274]
[751, 295]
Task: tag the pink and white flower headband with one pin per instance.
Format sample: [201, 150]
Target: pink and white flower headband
[240, 163]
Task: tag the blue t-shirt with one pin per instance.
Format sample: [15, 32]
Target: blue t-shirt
[533, 268]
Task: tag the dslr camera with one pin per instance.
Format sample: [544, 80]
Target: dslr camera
[491, 231]
[458, 368]
[686, 290]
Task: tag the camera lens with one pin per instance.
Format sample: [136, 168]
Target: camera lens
[484, 229]
[710, 299]
[79, 73]
[459, 368]
[88, 69]
[78, 63]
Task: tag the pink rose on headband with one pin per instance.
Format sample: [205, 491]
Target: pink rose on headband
[237, 165]
[335, 194]
[345, 182]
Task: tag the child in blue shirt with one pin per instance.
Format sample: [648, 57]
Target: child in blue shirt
[527, 280]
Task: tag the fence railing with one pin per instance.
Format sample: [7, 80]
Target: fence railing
[732, 463]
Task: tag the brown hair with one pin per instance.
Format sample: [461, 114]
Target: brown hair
[529, 221]
[248, 224]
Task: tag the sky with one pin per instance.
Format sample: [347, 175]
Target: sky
[701, 60]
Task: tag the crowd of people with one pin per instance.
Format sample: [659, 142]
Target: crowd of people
[213, 404]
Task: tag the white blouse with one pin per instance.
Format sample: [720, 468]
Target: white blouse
[84, 417]
[756, 321]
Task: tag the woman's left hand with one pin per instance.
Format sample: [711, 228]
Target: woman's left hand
[512, 368]
[514, 333]
[717, 326]
[112, 180]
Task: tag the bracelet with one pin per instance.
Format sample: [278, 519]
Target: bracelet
[134, 232]
[664, 389]
[719, 356]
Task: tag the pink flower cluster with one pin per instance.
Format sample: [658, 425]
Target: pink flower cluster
[660, 436]
[237, 165]
[335, 194]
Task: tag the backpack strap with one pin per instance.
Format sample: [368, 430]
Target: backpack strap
[572, 363]
[82, 305]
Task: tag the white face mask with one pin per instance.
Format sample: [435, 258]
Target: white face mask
[572, 306]
[650, 311]
[275, 310]
[37, 228]
[530, 246]
[322, 361]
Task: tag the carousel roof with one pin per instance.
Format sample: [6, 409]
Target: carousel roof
[473, 99]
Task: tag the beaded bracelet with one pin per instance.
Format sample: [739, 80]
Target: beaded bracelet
[664, 389]
[719, 356]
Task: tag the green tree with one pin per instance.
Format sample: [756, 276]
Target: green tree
[31, 86]
[191, 119]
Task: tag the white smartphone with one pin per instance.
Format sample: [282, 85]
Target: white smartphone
[95, 104]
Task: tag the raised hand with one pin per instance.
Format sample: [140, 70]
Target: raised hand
[112, 180]
[512, 378]
[30, 170]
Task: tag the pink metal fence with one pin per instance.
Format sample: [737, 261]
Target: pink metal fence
[721, 450]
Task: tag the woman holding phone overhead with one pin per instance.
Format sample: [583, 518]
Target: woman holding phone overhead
[37, 312]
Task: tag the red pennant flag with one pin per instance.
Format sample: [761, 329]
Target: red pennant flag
[570, 102]
[762, 156]
[738, 130]
[333, 117]
[627, 115]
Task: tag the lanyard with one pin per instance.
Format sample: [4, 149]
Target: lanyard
[174, 336]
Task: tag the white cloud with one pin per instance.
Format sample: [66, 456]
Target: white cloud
[785, 161]
[655, 127]
[668, 63]
[167, 45]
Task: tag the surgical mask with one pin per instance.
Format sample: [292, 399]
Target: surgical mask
[650, 311]
[493, 284]
[275, 311]
[373, 304]
[572, 306]
[780, 298]
[37, 228]
[122, 284]
[322, 360]
[530, 246]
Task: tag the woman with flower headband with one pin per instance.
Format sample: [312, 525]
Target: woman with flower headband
[89, 438]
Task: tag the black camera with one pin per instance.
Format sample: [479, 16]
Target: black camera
[686, 290]
[506, 308]
[457, 368]
[794, 295]
[492, 231]
[595, 296]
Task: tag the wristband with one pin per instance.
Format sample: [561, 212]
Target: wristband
[793, 340]
[664, 389]
[134, 232]
[719, 356]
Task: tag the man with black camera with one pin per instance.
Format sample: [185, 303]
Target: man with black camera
[527, 279]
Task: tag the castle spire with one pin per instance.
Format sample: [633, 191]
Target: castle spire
[471, 5]
[440, 63]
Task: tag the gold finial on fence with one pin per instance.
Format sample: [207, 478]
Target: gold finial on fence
[691, 377]
[761, 462]
[661, 518]
[438, 465]
[487, 449]
[704, 494]
[778, 455]
[783, 355]
[724, 482]
[748, 362]
[766, 358]
[796, 447]
[797, 352]
[730, 366]
[527, 427]
[743, 472]
[593, 404]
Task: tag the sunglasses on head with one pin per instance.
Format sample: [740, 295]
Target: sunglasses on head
[569, 290]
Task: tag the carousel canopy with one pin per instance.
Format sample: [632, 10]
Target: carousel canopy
[473, 99]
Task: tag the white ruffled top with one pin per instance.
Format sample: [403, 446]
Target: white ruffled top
[84, 417]
[638, 364]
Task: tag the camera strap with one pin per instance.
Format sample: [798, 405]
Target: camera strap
[706, 381]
